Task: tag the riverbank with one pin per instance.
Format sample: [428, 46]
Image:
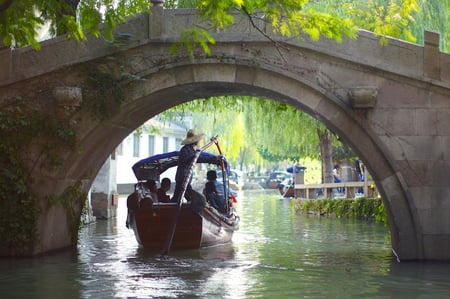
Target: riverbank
[369, 209]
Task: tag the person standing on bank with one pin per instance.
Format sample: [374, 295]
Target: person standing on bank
[187, 155]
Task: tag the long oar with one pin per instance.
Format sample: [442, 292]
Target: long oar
[186, 181]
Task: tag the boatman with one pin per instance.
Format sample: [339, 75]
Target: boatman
[187, 155]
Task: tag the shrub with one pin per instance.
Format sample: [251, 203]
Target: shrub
[369, 209]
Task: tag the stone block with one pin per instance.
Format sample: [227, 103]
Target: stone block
[327, 108]
[426, 121]
[156, 23]
[278, 86]
[183, 75]
[59, 236]
[413, 148]
[5, 63]
[177, 20]
[421, 197]
[436, 247]
[215, 72]
[445, 67]
[245, 75]
[416, 173]
[409, 248]
[100, 205]
[435, 220]
[440, 173]
[158, 82]
[431, 55]
[443, 120]
[394, 94]
[446, 145]
[439, 100]
[394, 121]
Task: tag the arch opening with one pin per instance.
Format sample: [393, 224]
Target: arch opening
[308, 89]
[160, 92]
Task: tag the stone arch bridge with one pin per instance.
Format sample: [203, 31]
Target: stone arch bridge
[391, 104]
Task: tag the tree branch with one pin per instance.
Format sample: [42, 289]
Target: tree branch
[277, 44]
[4, 6]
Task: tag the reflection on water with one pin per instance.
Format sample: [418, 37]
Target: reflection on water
[275, 254]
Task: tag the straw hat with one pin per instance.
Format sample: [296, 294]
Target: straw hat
[192, 137]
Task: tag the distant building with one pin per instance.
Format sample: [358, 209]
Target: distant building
[155, 137]
[116, 176]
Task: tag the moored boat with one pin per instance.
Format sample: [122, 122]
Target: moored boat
[197, 223]
[287, 186]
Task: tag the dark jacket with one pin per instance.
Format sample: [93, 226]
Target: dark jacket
[162, 196]
[187, 154]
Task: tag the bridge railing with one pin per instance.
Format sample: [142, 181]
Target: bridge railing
[329, 190]
[166, 25]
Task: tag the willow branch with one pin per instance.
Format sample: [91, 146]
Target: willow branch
[276, 44]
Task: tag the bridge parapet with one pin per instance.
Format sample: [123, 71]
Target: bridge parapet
[429, 63]
[165, 25]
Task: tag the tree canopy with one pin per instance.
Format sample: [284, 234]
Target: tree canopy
[259, 128]
[20, 20]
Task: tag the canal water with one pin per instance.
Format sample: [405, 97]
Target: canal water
[275, 254]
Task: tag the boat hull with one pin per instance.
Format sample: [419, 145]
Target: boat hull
[151, 226]
[286, 191]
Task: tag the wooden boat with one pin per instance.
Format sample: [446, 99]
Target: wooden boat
[195, 226]
[286, 189]
[276, 177]
[194, 229]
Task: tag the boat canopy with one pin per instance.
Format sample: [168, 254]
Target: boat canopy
[152, 167]
[296, 168]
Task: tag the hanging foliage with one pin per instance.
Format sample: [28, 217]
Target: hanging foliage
[21, 128]
[260, 128]
[369, 209]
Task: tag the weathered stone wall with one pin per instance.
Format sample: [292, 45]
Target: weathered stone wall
[391, 104]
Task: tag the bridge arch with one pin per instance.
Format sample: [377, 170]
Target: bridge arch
[393, 113]
[184, 80]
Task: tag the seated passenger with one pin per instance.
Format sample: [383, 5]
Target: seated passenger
[162, 191]
[149, 196]
[213, 192]
[133, 206]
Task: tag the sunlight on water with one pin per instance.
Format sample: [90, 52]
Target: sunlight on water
[275, 254]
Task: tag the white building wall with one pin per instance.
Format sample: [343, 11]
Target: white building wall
[116, 176]
[125, 158]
